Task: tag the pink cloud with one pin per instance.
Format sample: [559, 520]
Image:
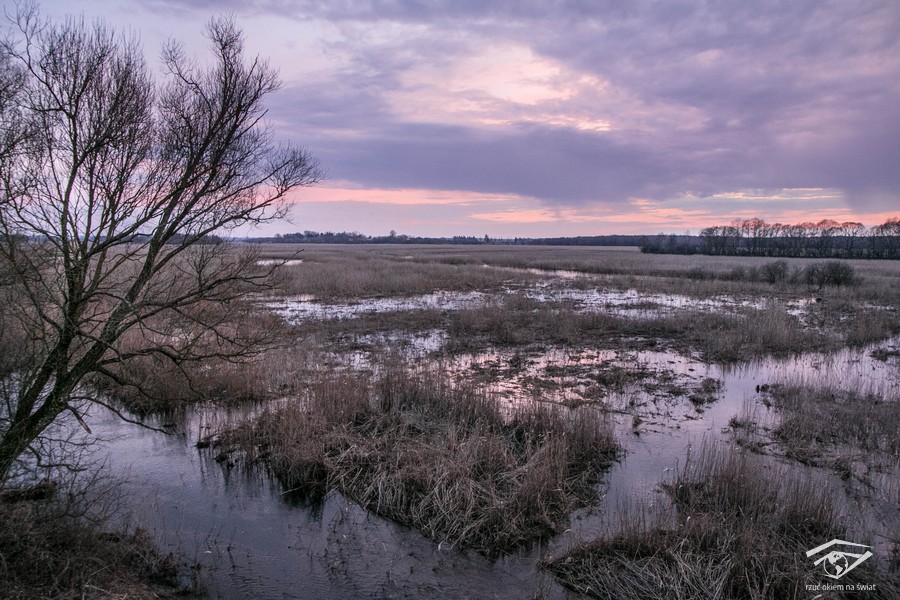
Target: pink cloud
[345, 192]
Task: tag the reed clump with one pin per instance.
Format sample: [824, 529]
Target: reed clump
[820, 422]
[741, 530]
[437, 456]
[718, 336]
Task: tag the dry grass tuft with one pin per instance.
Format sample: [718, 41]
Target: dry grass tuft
[436, 456]
[719, 337]
[350, 273]
[742, 530]
[819, 420]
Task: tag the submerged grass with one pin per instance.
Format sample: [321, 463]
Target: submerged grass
[372, 270]
[437, 456]
[826, 425]
[741, 530]
[718, 337]
[766, 314]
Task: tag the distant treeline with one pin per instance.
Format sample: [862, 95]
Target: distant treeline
[755, 237]
[314, 237]
[743, 237]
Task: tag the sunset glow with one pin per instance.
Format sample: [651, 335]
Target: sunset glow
[566, 120]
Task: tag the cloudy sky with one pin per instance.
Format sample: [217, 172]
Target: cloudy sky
[539, 118]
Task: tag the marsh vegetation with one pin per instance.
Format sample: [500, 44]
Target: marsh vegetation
[732, 533]
[517, 421]
[436, 455]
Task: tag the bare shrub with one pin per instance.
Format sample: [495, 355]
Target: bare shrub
[699, 274]
[738, 273]
[775, 272]
[834, 273]
[59, 545]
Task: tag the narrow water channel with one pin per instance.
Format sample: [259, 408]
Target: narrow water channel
[247, 541]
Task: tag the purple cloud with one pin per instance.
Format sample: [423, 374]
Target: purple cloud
[579, 104]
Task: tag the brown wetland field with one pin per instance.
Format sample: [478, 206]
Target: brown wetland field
[526, 422]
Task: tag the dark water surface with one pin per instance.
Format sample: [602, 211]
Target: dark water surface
[248, 542]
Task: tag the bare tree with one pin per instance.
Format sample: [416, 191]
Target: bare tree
[112, 186]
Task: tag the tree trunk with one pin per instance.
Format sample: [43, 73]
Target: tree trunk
[13, 443]
[22, 432]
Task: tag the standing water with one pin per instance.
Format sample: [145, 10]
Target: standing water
[246, 539]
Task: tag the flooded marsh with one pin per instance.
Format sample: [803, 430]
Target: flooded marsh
[398, 490]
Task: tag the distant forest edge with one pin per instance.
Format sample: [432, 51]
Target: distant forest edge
[314, 237]
[755, 237]
[743, 237]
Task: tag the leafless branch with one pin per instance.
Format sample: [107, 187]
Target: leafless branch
[113, 188]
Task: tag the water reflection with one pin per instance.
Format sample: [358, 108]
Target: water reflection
[627, 303]
[249, 542]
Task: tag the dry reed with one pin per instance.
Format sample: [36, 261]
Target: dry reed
[742, 528]
[820, 423]
[437, 456]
